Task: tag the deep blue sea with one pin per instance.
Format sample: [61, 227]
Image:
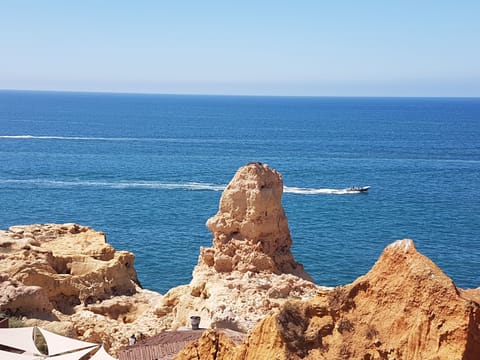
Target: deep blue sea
[148, 170]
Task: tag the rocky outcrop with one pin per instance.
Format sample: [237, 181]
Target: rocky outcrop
[250, 230]
[211, 345]
[236, 301]
[60, 267]
[69, 276]
[404, 308]
[67, 279]
[250, 269]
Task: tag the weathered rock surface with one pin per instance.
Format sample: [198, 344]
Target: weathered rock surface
[67, 279]
[68, 275]
[62, 266]
[250, 230]
[211, 345]
[235, 301]
[404, 308]
[250, 269]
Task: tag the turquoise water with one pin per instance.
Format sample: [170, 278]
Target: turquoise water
[148, 170]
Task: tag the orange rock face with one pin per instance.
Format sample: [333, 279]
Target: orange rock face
[250, 230]
[211, 345]
[404, 308]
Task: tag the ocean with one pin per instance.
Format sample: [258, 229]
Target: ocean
[148, 170]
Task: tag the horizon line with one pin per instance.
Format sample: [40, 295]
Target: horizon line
[126, 92]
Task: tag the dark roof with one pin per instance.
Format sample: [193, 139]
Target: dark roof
[165, 345]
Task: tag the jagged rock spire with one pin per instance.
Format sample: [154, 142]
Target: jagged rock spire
[250, 230]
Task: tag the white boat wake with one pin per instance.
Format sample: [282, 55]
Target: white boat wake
[140, 184]
[114, 184]
[313, 191]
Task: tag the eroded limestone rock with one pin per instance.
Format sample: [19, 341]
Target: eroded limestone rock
[404, 308]
[250, 230]
[69, 264]
[250, 269]
[66, 278]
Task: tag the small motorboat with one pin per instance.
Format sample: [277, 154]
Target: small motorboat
[358, 189]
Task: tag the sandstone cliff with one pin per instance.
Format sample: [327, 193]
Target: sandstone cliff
[69, 277]
[60, 274]
[404, 308]
[250, 269]
[250, 230]
[69, 280]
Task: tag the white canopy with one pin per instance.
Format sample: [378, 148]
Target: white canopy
[58, 344]
[73, 355]
[19, 338]
[102, 355]
[7, 355]
[59, 347]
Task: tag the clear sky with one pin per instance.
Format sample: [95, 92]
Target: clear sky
[262, 47]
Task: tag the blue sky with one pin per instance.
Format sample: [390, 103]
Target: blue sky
[304, 47]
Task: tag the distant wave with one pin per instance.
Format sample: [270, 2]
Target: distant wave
[86, 138]
[155, 185]
[115, 139]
